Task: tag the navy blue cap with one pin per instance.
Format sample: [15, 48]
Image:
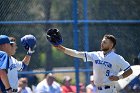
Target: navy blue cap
[4, 39]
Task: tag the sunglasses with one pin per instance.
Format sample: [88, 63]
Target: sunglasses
[24, 82]
[13, 40]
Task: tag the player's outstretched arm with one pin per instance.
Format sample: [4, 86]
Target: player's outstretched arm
[70, 52]
[61, 48]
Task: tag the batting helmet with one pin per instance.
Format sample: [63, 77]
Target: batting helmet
[28, 41]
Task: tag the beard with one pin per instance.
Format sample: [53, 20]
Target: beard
[104, 49]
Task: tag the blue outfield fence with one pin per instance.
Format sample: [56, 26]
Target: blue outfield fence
[72, 21]
[59, 71]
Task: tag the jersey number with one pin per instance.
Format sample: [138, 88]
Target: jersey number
[107, 72]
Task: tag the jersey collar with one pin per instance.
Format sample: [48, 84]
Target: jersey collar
[108, 53]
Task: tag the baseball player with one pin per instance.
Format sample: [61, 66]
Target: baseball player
[106, 63]
[9, 66]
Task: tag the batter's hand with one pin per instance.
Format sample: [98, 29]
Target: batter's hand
[113, 78]
[30, 51]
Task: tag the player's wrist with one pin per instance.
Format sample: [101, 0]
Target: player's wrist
[120, 77]
[8, 89]
[30, 52]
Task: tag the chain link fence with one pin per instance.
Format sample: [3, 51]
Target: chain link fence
[121, 19]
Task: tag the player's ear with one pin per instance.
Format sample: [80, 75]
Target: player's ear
[112, 45]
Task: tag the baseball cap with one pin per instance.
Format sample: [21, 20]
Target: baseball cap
[91, 78]
[67, 78]
[4, 39]
[50, 75]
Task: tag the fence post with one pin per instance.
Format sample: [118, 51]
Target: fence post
[75, 33]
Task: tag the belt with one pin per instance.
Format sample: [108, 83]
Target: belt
[14, 90]
[103, 87]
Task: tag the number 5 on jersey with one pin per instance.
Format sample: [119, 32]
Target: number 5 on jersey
[107, 72]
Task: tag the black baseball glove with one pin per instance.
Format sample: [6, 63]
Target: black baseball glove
[54, 37]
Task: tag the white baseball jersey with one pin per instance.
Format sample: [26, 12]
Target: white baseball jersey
[43, 87]
[13, 68]
[103, 65]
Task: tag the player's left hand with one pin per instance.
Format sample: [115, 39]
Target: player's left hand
[113, 78]
[30, 51]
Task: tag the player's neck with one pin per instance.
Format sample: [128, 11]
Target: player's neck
[107, 52]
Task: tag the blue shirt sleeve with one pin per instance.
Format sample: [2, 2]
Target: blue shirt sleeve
[3, 60]
[24, 66]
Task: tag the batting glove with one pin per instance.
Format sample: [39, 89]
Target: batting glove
[30, 51]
